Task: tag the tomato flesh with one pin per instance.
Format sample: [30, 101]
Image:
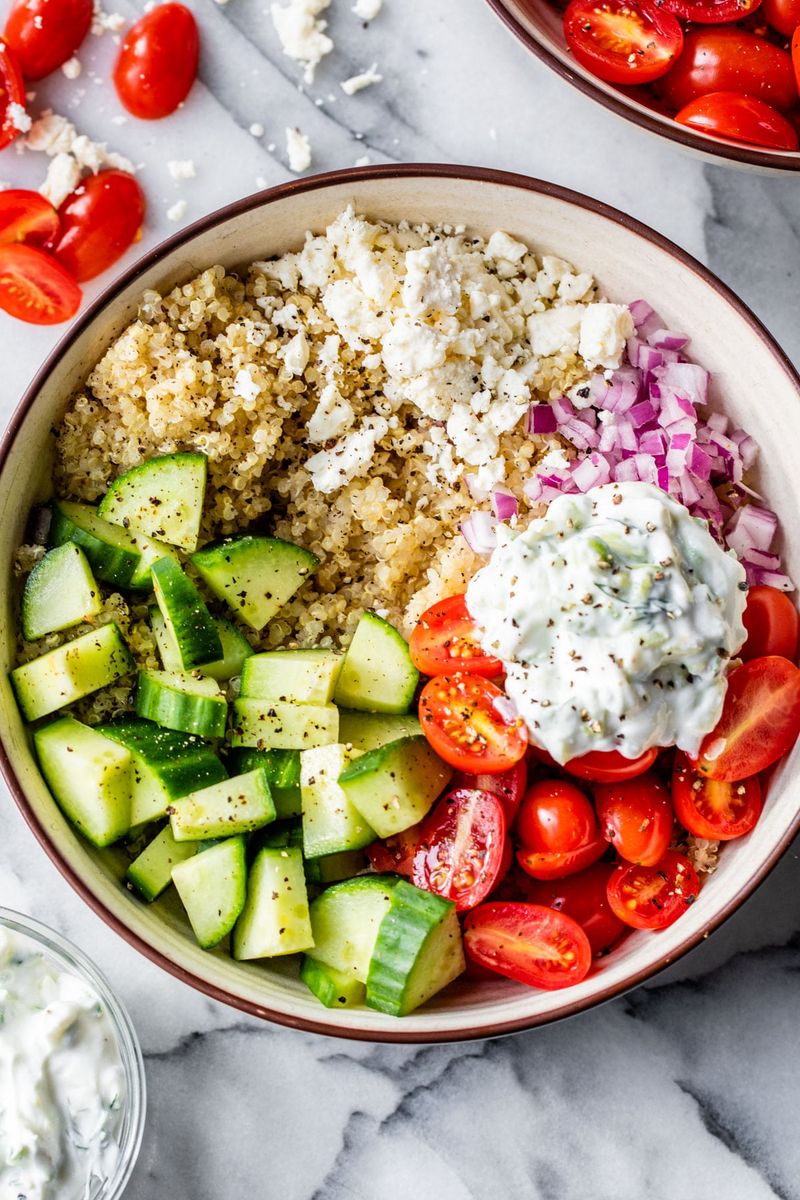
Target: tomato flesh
[556, 864]
[729, 59]
[12, 92]
[635, 816]
[99, 221]
[462, 847]
[712, 808]
[607, 766]
[44, 33]
[711, 12]
[34, 287]
[584, 898]
[534, 945]
[445, 639]
[508, 786]
[623, 41]
[26, 217]
[760, 720]
[739, 118]
[772, 624]
[467, 721]
[395, 854]
[653, 897]
[157, 62]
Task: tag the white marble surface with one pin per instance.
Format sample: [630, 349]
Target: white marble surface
[686, 1089]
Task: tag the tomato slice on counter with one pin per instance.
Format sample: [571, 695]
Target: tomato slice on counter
[623, 41]
[772, 624]
[44, 33]
[711, 12]
[607, 766]
[557, 864]
[395, 854]
[469, 723]
[713, 808]
[636, 817]
[555, 817]
[445, 639]
[529, 943]
[760, 720]
[12, 92]
[653, 897]
[462, 847]
[739, 118]
[584, 897]
[26, 217]
[508, 786]
[99, 221]
[729, 59]
[157, 62]
[36, 288]
[783, 15]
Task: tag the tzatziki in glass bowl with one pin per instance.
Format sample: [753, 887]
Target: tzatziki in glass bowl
[72, 1083]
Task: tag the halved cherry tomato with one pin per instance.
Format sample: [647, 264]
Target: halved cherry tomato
[555, 816]
[26, 217]
[508, 786]
[783, 15]
[796, 55]
[462, 847]
[36, 288]
[711, 808]
[527, 942]
[445, 639]
[772, 624]
[157, 62]
[635, 815]
[395, 853]
[653, 897]
[557, 864]
[739, 118]
[760, 720]
[623, 41]
[607, 766]
[99, 221]
[584, 898]
[44, 33]
[711, 12]
[729, 59]
[12, 92]
[466, 719]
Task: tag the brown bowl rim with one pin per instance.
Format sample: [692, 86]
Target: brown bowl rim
[629, 110]
[150, 259]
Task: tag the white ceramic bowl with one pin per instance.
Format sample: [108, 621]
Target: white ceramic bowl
[760, 390]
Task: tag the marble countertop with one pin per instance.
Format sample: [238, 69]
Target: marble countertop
[688, 1088]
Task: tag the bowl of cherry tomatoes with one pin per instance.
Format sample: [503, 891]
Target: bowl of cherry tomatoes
[718, 77]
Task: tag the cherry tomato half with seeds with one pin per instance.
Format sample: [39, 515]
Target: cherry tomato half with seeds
[100, 220]
[34, 287]
[772, 624]
[607, 766]
[653, 897]
[557, 864]
[157, 62]
[712, 808]
[729, 59]
[635, 816]
[555, 817]
[584, 898]
[395, 853]
[508, 786]
[623, 41]
[12, 93]
[711, 12]
[467, 721]
[739, 118]
[782, 15]
[534, 945]
[760, 720]
[44, 33]
[26, 217]
[461, 848]
[445, 639]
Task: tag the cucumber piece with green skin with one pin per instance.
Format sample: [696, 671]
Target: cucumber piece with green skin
[76, 669]
[334, 989]
[161, 498]
[377, 674]
[235, 648]
[190, 624]
[283, 772]
[166, 765]
[333, 868]
[213, 886]
[299, 676]
[59, 592]
[176, 700]
[331, 823]
[237, 805]
[345, 921]
[275, 920]
[89, 776]
[151, 871]
[418, 951]
[150, 551]
[256, 576]
[368, 731]
[112, 553]
[394, 786]
[273, 725]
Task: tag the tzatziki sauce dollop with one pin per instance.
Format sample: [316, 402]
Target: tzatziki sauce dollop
[616, 615]
[62, 1081]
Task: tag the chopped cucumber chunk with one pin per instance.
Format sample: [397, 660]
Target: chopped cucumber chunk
[345, 921]
[275, 920]
[368, 731]
[161, 498]
[330, 822]
[273, 725]
[59, 592]
[190, 624]
[89, 776]
[377, 674]
[150, 551]
[235, 648]
[213, 887]
[111, 551]
[151, 871]
[282, 768]
[394, 786]
[256, 576]
[334, 989]
[333, 868]
[237, 805]
[180, 701]
[71, 671]
[300, 676]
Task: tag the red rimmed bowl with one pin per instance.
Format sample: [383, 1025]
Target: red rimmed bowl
[538, 25]
[761, 391]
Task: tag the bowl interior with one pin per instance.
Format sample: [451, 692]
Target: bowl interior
[759, 391]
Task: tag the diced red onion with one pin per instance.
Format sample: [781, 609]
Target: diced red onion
[717, 421]
[504, 504]
[591, 472]
[667, 339]
[774, 579]
[541, 419]
[751, 528]
[480, 532]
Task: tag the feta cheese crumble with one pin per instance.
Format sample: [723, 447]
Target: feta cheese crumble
[367, 10]
[298, 150]
[182, 168]
[18, 117]
[357, 83]
[72, 68]
[63, 176]
[177, 211]
[302, 33]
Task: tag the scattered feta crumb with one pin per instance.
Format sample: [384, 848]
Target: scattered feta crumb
[298, 148]
[272, 147]
[302, 33]
[295, 354]
[72, 67]
[364, 161]
[357, 83]
[367, 10]
[177, 211]
[18, 117]
[245, 386]
[332, 469]
[54, 134]
[63, 176]
[257, 129]
[103, 22]
[182, 168]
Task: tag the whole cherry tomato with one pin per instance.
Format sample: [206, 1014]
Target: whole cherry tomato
[555, 817]
[99, 221]
[635, 815]
[44, 33]
[739, 118]
[783, 15]
[729, 59]
[607, 766]
[584, 898]
[157, 62]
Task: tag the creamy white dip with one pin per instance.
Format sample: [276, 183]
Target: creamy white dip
[616, 615]
[62, 1083]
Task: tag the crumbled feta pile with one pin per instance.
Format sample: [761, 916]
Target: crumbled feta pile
[298, 149]
[302, 32]
[18, 117]
[103, 22]
[357, 83]
[71, 153]
[367, 10]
